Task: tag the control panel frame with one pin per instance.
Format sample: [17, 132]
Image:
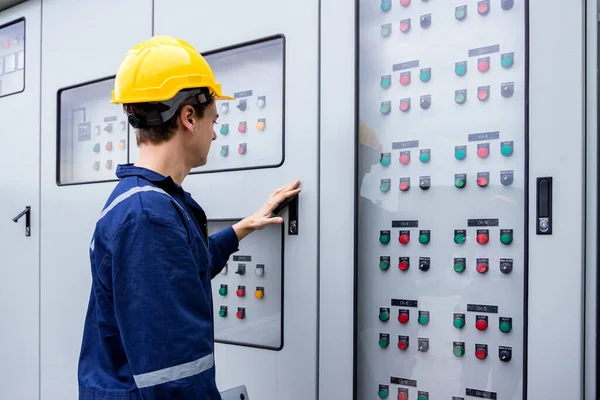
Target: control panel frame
[282, 301]
[59, 141]
[241, 45]
[6, 25]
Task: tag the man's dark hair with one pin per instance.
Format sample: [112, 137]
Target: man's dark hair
[160, 133]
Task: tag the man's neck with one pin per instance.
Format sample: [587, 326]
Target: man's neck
[163, 159]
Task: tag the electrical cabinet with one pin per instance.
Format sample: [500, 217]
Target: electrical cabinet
[19, 183]
[419, 129]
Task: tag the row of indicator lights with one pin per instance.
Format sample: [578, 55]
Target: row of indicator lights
[109, 146]
[460, 153]
[482, 265]
[240, 314]
[460, 97]
[458, 348]
[241, 270]
[242, 104]
[459, 320]
[483, 7]
[108, 165]
[460, 69]
[108, 128]
[482, 238]
[259, 293]
[384, 393]
[460, 181]
[483, 179]
[402, 393]
[15, 41]
[243, 126]
[242, 149]
[406, 78]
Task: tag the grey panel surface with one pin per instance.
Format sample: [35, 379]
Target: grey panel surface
[4, 4]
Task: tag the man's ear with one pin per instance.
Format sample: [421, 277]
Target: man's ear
[186, 117]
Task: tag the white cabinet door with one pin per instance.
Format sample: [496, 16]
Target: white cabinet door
[19, 184]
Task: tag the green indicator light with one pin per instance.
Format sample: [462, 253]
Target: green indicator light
[460, 154]
[386, 6]
[507, 61]
[505, 327]
[506, 238]
[384, 238]
[506, 150]
[459, 183]
[460, 70]
[459, 13]
[386, 30]
[384, 186]
[384, 265]
[384, 316]
[384, 342]
[459, 267]
[224, 129]
[385, 108]
[459, 239]
[222, 313]
[424, 238]
[385, 160]
[458, 351]
[386, 82]
[459, 323]
[424, 157]
[422, 398]
[425, 76]
[383, 394]
[223, 152]
[423, 319]
[223, 291]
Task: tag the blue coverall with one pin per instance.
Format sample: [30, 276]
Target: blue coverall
[148, 331]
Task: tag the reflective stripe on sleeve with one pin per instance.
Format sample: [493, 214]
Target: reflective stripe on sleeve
[174, 373]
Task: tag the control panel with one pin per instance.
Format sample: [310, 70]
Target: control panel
[441, 200]
[93, 133]
[250, 129]
[248, 293]
[12, 58]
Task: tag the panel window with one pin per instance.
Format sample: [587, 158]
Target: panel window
[12, 58]
[93, 134]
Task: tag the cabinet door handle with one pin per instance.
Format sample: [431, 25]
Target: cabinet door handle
[27, 214]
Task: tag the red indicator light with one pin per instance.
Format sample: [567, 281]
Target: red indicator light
[405, 3]
[239, 315]
[482, 94]
[482, 268]
[240, 292]
[404, 105]
[403, 265]
[483, 66]
[402, 396]
[6, 45]
[481, 354]
[481, 324]
[482, 238]
[404, 238]
[403, 318]
[482, 181]
[404, 159]
[404, 186]
[402, 345]
[405, 80]
[483, 152]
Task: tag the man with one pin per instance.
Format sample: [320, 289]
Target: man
[149, 326]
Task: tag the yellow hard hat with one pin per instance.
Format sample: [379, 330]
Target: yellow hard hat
[156, 70]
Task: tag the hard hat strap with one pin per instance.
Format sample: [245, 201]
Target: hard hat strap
[156, 117]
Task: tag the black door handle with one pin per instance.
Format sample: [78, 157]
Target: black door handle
[292, 204]
[27, 214]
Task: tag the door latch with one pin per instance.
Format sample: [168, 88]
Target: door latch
[292, 204]
[27, 214]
